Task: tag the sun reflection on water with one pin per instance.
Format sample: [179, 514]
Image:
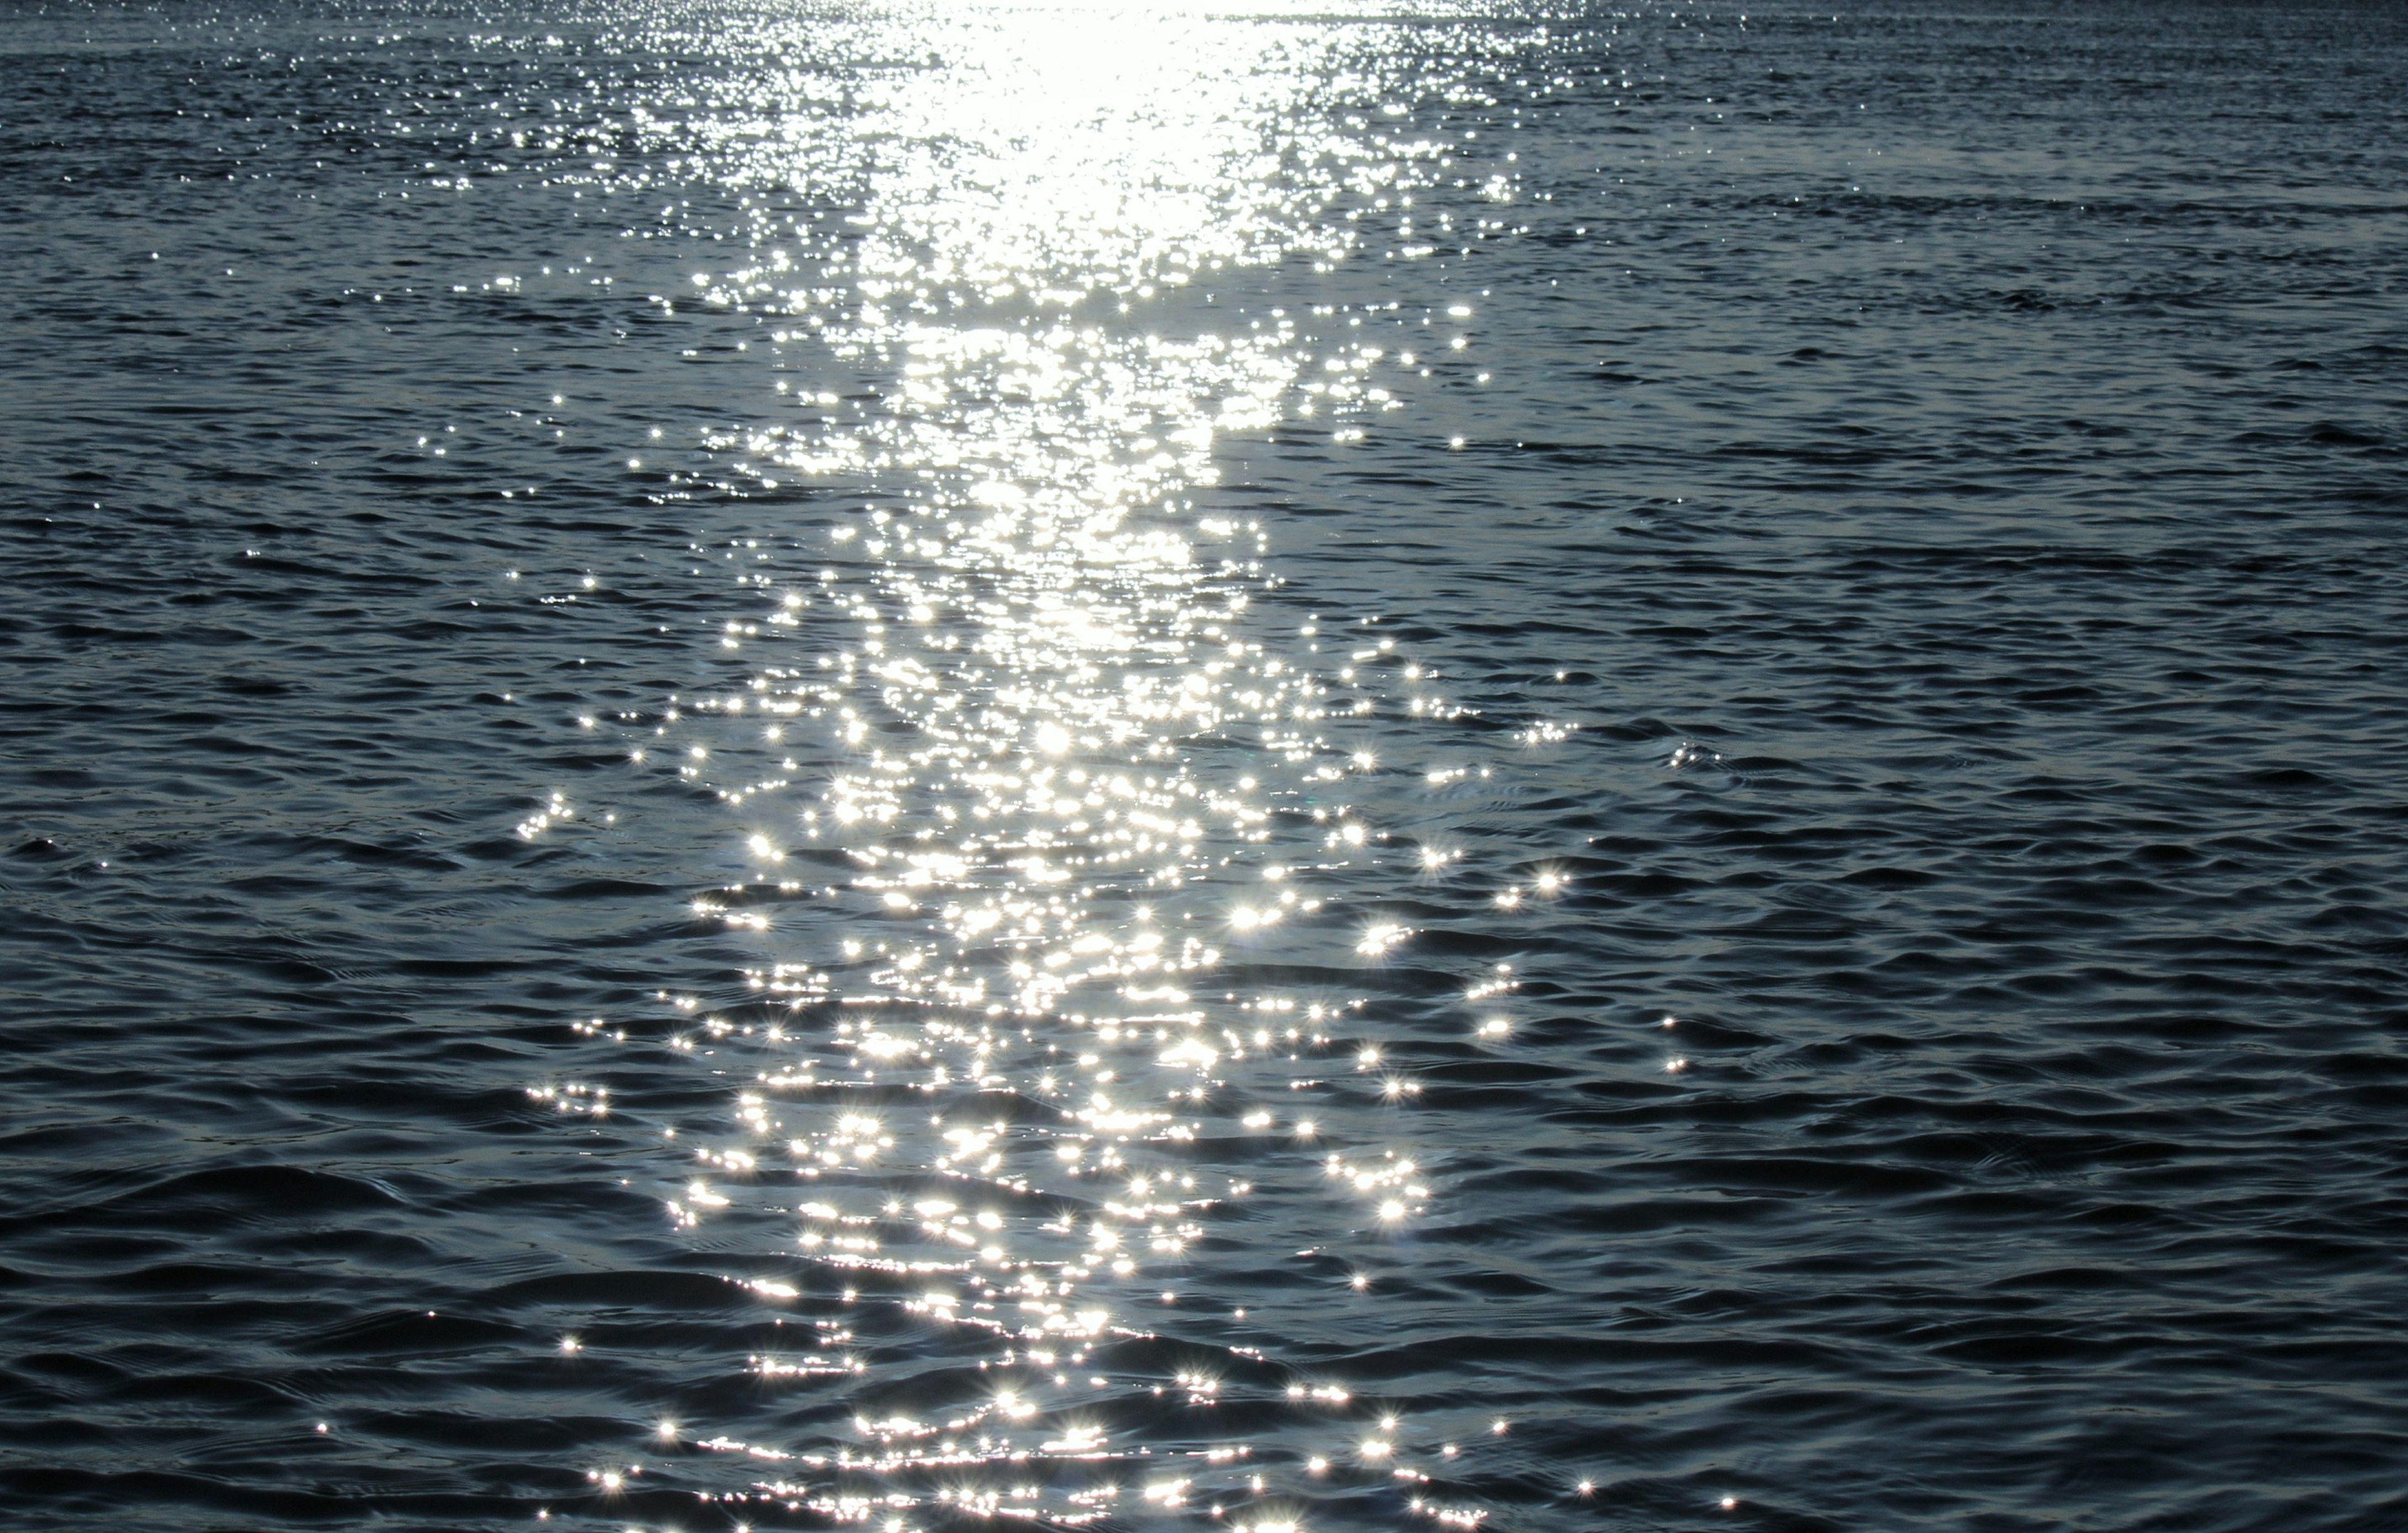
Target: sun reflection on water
[1039, 807]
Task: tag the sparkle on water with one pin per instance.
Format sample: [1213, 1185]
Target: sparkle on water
[999, 1076]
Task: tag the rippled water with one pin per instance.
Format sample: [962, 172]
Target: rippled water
[1254, 767]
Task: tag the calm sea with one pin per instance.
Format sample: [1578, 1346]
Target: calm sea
[1270, 766]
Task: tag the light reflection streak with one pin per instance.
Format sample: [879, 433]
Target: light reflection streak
[1022, 782]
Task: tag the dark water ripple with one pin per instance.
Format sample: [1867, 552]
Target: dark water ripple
[1960, 513]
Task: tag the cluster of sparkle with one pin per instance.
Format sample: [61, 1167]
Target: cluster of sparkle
[1027, 775]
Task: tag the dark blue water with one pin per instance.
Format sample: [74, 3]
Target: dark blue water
[1261, 767]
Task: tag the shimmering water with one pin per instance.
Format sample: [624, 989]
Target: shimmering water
[1257, 767]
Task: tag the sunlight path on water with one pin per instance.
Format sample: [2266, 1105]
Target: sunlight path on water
[1021, 769]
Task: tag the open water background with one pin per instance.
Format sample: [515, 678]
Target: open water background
[767, 764]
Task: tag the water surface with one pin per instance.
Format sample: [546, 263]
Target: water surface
[1260, 766]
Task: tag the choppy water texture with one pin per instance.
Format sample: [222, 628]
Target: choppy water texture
[1242, 769]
